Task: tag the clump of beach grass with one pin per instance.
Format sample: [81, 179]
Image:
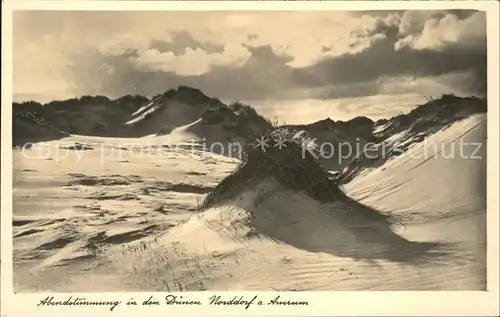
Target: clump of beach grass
[287, 155]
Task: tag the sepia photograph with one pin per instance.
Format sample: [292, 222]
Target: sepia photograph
[263, 151]
[210, 150]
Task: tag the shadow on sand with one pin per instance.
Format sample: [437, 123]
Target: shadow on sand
[344, 228]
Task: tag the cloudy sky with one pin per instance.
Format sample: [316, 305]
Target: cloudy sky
[350, 62]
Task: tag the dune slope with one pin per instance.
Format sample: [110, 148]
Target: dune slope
[417, 223]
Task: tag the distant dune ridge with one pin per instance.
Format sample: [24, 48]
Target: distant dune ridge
[394, 136]
[186, 113]
[388, 215]
[88, 115]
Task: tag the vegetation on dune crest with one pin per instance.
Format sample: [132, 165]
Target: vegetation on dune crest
[88, 115]
[298, 169]
[237, 117]
[415, 126]
[289, 158]
[189, 96]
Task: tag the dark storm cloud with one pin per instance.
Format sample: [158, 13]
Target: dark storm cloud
[383, 60]
[349, 90]
[266, 75]
[262, 75]
[461, 14]
[362, 70]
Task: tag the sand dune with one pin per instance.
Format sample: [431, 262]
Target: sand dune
[108, 220]
[398, 134]
[27, 131]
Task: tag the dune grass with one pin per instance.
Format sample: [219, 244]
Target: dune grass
[289, 156]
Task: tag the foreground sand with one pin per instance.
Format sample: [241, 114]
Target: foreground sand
[93, 220]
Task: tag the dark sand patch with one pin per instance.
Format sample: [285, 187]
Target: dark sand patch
[88, 180]
[91, 207]
[180, 188]
[114, 196]
[27, 233]
[78, 147]
[19, 223]
[135, 178]
[68, 261]
[104, 180]
[121, 238]
[196, 173]
[161, 209]
[52, 221]
[58, 243]
[167, 208]
[128, 236]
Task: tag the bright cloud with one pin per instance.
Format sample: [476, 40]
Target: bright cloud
[439, 33]
[193, 62]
